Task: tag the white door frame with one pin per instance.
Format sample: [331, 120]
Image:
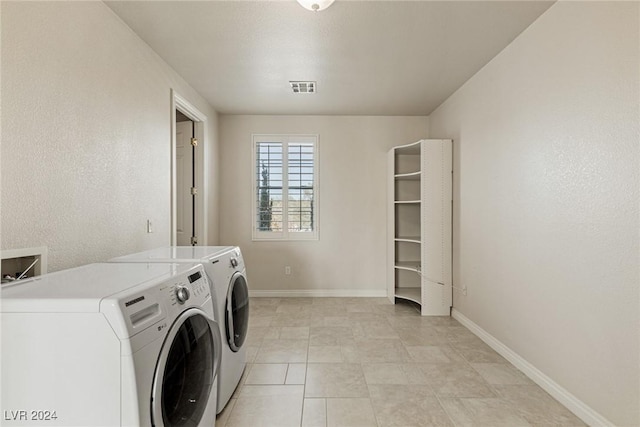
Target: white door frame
[180, 103]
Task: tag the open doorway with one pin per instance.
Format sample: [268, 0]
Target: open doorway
[188, 195]
[186, 188]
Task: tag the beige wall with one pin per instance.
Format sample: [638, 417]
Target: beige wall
[349, 258]
[86, 151]
[546, 200]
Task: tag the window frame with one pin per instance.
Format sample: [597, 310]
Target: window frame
[285, 234]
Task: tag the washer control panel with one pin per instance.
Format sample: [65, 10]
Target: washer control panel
[153, 302]
[182, 294]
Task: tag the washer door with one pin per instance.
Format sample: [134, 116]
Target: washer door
[184, 378]
[237, 311]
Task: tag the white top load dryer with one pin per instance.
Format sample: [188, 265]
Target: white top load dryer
[225, 267]
[110, 345]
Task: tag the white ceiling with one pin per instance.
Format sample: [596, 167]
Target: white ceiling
[368, 57]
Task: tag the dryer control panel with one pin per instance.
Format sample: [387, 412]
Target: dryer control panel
[235, 260]
[191, 290]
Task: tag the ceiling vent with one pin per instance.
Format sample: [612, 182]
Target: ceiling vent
[303, 87]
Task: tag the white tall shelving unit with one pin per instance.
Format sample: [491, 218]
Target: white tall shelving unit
[419, 225]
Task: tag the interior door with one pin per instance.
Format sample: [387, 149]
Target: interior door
[184, 182]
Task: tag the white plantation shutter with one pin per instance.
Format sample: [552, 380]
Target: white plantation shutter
[285, 198]
[269, 176]
[301, 187]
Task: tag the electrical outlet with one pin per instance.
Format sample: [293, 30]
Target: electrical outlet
[287, 270]
[149, 226]
[464, 290]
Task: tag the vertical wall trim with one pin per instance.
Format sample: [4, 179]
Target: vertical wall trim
[180, 103]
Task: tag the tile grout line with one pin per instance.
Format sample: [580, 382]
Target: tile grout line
[304, 383]
[453, 422]
[455, 342]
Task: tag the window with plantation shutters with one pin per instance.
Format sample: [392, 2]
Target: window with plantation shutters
[285, 197]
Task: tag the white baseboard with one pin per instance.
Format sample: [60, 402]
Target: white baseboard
[375, 293]
[575, 405]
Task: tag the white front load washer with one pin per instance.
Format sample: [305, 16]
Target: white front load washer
[110, 345]
[225, 267]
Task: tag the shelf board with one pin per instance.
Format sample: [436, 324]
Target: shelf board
[410, 239]
[409, 265]
[407, 202]
[411, 294]
[413, 148]
[411, 176]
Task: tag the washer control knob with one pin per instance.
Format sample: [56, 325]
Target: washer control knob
[182, 294]
[234, 262]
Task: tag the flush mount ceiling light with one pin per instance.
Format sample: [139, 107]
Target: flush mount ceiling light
[315, 5]
[303, 87]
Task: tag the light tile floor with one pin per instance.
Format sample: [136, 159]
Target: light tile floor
[365, 362]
